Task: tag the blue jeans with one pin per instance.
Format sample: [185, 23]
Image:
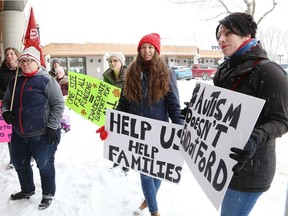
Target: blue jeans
[150, 187]
[38, 147]
[238, 203]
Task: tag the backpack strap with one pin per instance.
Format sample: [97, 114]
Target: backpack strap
[256, 65]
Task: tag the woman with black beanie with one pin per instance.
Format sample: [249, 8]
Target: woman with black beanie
[248, 70]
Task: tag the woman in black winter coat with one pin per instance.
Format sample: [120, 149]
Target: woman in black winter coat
[248, 70]
[8, 71]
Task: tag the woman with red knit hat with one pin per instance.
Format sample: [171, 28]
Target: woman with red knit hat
[150, 90]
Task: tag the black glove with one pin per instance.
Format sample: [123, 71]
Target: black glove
[8, 116]
[242, 156]
[185, 110]
[53, 136]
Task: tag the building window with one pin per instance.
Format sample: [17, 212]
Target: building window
[129, 60]
[99, 60]
[78, 64]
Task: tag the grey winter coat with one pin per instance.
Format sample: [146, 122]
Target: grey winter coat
[267, 80]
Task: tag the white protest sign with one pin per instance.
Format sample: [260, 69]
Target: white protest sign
[146, 145]
[217, 120]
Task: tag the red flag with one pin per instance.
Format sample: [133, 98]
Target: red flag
[32, 37]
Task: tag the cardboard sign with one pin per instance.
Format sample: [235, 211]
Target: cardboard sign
[90, 97]
[146, 145]
[217, 120]
[5, 129]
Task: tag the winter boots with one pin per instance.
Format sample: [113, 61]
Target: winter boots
[143, 205]
[21, 195]
[45, 203]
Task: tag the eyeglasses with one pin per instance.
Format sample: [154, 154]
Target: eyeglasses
[28, 61]
[113, 61]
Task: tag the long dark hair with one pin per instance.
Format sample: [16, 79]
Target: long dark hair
[158, 74]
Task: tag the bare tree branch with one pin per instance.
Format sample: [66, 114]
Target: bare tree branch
[248, 4]
[224, 5]
[227, 5]
[267, 12]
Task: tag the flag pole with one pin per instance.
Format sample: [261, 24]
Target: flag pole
[31, 38]
[14, 87]
[17, 70]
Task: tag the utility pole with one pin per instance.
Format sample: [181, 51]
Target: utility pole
[280, 58]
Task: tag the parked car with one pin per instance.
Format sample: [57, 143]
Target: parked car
[203, 71]
[285, 67]
[182, 72]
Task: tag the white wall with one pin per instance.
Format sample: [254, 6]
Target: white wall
[95, 66]
[12, 24]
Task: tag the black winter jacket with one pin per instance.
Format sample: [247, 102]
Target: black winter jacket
[5, 76]
[251, 75]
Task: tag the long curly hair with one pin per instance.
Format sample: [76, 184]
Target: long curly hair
[158, 74]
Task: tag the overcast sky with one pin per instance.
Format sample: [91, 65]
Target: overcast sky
[126, 21]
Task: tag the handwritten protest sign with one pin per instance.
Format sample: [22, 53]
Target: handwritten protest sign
[5, 129]
[89, 97]
[217, 120]
[146, 145]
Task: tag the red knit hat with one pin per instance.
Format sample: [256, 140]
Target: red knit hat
[152, 38]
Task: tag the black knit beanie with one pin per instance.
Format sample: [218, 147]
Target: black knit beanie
[56, 60]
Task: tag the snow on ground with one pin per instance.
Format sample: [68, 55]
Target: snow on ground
[86, 186]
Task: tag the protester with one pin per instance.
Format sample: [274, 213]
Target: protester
[150, 90]
[248, 70]
[8, 70]
[37, 108]
[62, 79]
[114, 75]
[56, 63]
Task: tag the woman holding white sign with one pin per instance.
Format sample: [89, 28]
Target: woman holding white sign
[150, 90]
[248, 70]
